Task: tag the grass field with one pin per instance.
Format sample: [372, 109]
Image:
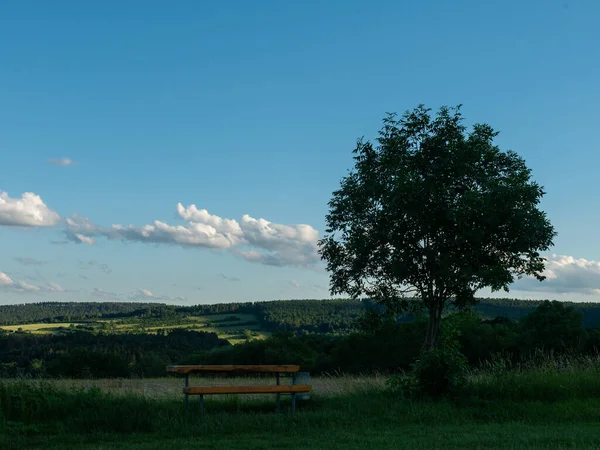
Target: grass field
[525, 409]
[39, 328]
[227, 326]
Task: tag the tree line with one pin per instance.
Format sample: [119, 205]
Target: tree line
[337, 316]
[389, 345]
[83, 354]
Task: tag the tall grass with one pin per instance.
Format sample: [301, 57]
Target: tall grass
[545, 376]
[541, 391]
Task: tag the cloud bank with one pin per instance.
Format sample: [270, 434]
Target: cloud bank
[565, 274]
[8, 284]
[256, 240]
[27, 211]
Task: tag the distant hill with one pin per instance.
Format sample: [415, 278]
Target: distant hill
[336, 316]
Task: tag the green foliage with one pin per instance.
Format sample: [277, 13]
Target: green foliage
[279, 349]
[479, 339]
[150, 365]
[541, 376]
[310, 316]
[390, 349]
[53, 312]
[332, 317]
[381, 343]
[247, 334]
[436, 211]
[441, 370]
[86, 355]
[91, 408]
[86, 363]
[553, 326]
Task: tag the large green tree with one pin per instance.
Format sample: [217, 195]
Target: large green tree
[433, 211]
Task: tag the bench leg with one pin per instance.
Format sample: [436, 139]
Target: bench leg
[202, 405]
[187, 400]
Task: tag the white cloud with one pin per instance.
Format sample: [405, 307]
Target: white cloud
[26, 287]
[565, 274]
[9, 284]
[5, 280]
[85, 239]
[62, 162]
[28, 211]
[256, 240]
[141, 294]
[225, 226]
[295, 283]
[53, 287]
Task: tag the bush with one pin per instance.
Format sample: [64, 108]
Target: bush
[438, 372]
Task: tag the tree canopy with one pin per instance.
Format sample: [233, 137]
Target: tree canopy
[436, 211]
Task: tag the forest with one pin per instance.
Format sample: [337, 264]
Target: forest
[327, 316]
[324, 336]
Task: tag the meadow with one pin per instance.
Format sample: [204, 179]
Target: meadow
[555, 404]
[233, 327]
[95, 380]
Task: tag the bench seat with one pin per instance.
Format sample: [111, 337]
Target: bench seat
[300, 390]
[271, 389]
[184, 370]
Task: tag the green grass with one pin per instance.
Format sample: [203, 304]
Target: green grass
[343, 413]
[544, 376]
[230, 330]
[40, 328]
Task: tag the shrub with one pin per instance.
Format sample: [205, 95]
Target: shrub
[438, 372]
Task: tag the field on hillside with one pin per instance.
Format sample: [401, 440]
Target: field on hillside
[229, 326]
[537, 410]
[41, 328]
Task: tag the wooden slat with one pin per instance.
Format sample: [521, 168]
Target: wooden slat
[235, 368]
[272, 389]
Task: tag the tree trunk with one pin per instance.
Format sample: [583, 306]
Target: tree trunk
[433, 327]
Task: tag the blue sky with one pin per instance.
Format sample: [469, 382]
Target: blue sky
[253, 108]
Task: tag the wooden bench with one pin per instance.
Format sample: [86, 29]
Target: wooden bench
[277, 389]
